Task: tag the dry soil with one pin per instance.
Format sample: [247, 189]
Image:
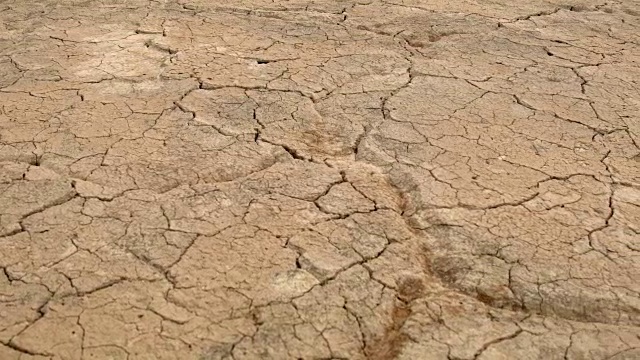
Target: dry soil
[320, 179]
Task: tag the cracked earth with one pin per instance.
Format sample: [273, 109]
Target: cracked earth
[320, 179]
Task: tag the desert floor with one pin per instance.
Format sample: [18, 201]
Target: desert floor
[320, 179]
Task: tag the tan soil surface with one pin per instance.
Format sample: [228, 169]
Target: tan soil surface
[320, 179]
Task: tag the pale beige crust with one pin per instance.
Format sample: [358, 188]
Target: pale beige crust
[320, 179]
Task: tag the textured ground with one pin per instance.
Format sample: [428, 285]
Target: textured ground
[320, 179]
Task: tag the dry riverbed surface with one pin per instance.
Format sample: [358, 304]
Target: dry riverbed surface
[320, 179]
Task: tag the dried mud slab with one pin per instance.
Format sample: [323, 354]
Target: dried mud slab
[191, 179]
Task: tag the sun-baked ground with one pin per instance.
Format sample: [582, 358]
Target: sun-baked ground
[320, 179]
